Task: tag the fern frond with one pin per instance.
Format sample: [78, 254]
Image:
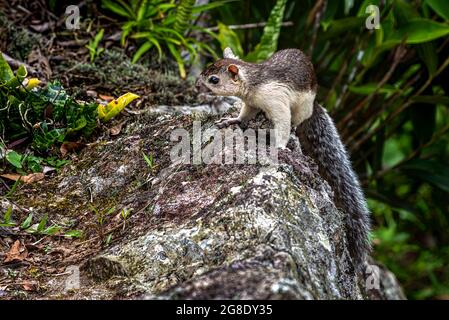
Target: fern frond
[183, 15]
[269, 41]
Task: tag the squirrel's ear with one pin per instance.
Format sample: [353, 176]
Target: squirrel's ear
[228, 54]
[233, 69]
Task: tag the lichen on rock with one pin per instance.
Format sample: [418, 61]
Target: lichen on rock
[208, 231]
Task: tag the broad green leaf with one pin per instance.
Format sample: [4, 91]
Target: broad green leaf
[27, 223]
[42, 224]
[14, 158]
[5, 70]
[21, 73]
[441, 7]
[420, 30]
[113, 108]
[269, 42]
[228, 38]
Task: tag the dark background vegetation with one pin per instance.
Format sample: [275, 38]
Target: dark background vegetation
[389, 99]
[386, 88]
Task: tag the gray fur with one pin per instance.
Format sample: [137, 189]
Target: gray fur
[273, 69]
[320, 140]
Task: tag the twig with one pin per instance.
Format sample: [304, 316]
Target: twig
[251, 26]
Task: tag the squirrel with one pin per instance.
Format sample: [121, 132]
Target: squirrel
[284, 88]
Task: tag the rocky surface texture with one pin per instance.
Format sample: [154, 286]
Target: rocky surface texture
[247, 231]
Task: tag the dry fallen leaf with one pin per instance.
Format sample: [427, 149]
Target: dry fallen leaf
[11, 176]
[18, 252]
[68, 147]
[105, 97]
[115, 130]
[30, 178]
[29, 285]
[33, 177]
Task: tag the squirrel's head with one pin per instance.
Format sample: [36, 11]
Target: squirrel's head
[224, 77]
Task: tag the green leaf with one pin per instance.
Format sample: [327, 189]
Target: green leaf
[428, 53]
[116, 8]
[14, 158]
[209, 6]
[175, 53]
[52, 230]
[142, 10]
[27, 223]
[6, 73]
[337, 27]
[419, 30]
[441, 7]
[228, 38]
[42, 224]
[7, 215]
[430, 171]
[73, 234]
[269, 42]
[142, 49]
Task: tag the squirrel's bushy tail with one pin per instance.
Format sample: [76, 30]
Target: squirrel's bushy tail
[320, 140]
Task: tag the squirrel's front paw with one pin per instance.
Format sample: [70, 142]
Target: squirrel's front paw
[226, 122]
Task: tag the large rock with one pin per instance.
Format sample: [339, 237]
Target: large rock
[248, 231]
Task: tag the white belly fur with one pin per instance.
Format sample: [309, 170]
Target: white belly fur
[273, 98]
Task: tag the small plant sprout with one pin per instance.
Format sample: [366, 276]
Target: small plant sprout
[101, 216]
[125, 213]
[94, 50]
[150, 161]
[7, 219]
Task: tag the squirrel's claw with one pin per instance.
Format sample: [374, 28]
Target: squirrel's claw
[226, 122]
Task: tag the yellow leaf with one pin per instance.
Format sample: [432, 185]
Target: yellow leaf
[31, 83]
[113, 108]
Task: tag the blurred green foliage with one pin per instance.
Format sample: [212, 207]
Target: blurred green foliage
[387, 92]
[164, 25]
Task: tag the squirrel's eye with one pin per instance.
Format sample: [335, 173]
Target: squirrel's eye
[214, 80]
